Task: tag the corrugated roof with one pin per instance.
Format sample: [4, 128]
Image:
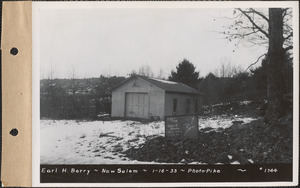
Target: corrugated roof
[170, 86]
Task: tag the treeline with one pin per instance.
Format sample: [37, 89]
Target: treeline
[91, 98]
[76, 98]
[248, 85]
[229, 83]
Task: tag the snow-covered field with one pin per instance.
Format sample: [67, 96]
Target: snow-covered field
[102, 142]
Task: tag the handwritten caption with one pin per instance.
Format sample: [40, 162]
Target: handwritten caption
[131, 170]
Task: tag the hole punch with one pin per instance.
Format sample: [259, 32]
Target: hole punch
[14, 51]
[14, 132]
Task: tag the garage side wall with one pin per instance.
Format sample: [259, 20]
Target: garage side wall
[182, 107]
[156, 97]
[157, 103]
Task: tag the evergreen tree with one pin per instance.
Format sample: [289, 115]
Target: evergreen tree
[185, 73]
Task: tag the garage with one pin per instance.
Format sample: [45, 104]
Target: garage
[151, 98]
[137, 105]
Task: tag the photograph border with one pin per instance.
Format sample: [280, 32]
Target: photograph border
[36, 6]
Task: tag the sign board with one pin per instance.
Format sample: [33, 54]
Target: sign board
[181, 127]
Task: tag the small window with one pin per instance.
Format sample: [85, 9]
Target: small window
[174, 105]
[188, 106]
[196, 106]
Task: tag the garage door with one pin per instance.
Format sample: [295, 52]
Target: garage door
[137, 105]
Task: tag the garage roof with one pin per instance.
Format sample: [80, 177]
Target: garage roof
[167, 85]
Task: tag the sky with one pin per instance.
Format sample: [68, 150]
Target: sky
[116, 41]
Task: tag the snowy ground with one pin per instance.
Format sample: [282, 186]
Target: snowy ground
[217, 122]
[98, 142]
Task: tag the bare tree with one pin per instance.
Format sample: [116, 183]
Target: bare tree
[132, 73]
[161, 74]
[145, 70]
[51, 72]
[74, 88]
[271, 28]
[235, 70]
[226, 69]
[275, 59]
[252, 26]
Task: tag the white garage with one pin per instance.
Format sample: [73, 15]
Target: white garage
[144, 97]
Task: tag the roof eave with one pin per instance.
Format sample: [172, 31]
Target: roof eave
[150, 82]
[198, 93]
[122, 82]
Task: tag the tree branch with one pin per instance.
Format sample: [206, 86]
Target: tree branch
[284, 12]
[253, 23]
[260, 14]
[240, 35]
[288, 27]
[246, 34]
[288, 48]
[255, 61]
[290, 35]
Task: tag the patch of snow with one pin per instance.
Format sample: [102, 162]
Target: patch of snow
[183, 161]
[102, 115]
[197, 163]
[229, 157]
[164, 81]
[245, 102]
[235, 162]
[250, 160]
[215, 105]
[221, 122]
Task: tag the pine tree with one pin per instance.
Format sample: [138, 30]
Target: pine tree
[185, 73]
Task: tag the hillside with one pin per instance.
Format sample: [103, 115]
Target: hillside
[225, 139]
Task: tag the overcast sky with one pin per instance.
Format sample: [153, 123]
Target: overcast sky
[116, 41]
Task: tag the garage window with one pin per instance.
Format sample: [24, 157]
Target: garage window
[188, 106]
[174, 105]
[196, 106]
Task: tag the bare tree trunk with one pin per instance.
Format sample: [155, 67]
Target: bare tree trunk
[275, 66]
